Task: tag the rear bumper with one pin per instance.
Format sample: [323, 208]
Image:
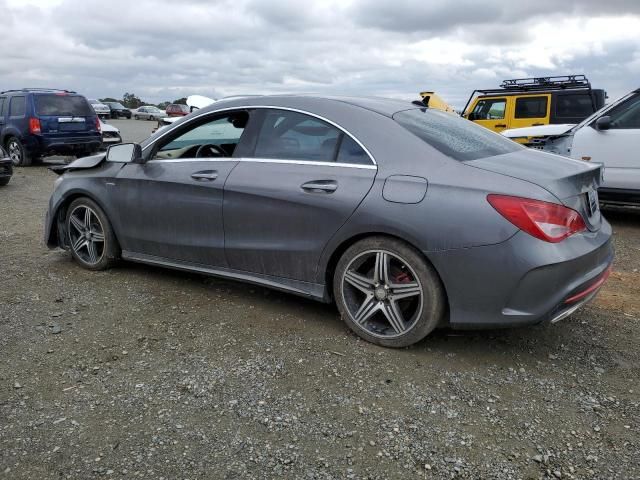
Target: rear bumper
[42, 145]
[523, 281]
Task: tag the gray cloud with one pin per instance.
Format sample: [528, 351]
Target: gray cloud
[163, 50]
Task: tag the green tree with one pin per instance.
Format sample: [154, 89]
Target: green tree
[108, 99]
[181, 101]
[131, 100]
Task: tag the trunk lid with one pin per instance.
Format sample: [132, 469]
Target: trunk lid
[573, 182]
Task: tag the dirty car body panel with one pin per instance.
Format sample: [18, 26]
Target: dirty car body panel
[283, 223]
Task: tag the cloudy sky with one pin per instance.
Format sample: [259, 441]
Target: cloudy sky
[162, 50]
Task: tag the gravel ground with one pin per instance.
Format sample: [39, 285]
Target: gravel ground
[140, 372]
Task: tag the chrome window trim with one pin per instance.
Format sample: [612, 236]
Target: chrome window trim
[273, 107]
[264, 160]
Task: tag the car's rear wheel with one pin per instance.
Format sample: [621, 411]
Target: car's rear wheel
[387, 293]
[4, 181]
[89, 235]
[18, 154]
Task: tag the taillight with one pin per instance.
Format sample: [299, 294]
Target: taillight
[544, 220]
[98, 127]
[34, 126]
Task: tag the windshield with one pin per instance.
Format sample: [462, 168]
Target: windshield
[603, 110]
[454, 136]
[62, 105]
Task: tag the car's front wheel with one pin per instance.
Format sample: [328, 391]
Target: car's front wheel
[387, 293]
[136, 117]
[18, 154]
[4, 181]
[90, 236]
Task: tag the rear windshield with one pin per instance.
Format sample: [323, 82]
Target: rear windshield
[62, 105]
[454, 136]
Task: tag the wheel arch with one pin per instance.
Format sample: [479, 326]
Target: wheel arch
[337, 253]
[57, 237]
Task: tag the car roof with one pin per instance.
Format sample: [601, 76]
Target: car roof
[383, 106]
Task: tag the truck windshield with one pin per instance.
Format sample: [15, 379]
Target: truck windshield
[454, 136]
[62, 105]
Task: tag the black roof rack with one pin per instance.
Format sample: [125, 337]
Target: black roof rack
[26, 90]
[565, 81]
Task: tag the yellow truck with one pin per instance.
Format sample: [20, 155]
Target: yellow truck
[526, 102]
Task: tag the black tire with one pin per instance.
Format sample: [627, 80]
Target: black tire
[4, 181]
[426, 310]
[19, 155]
[109, 253]
[136, 117]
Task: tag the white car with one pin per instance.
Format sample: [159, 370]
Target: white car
[110, 135]
[611, 136]
[148, 113]
[102, 110]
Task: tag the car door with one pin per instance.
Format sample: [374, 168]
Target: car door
[531, 111]
[170, 206]
[491, 113]
[283, 202]
[616, 147]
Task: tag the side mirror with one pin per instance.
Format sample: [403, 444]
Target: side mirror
[472, 116]
[603, 123]
[125, 153]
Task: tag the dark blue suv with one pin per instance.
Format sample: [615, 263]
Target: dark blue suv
[35, 123]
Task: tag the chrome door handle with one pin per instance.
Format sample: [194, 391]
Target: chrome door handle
[205, 175]
[327, 186]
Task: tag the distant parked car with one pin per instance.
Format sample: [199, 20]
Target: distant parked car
[408, 218]
[609, 137]
[178, 110]
[148, 113]
[118, 110]
[102, 110]
[6, 167]
[110, 135]
[36, 122]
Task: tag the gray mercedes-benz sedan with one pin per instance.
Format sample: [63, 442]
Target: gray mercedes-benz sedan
[407, 217]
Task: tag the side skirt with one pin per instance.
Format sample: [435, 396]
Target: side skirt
[314, 291]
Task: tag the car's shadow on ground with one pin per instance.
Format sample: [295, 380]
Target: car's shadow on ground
[470, 345]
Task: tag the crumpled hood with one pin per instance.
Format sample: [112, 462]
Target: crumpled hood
[80, 163]
[198, 101]
[539, 131]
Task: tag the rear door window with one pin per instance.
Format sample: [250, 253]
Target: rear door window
[454, 136]
[351, 152]
[18, 107]
[531, 107]
[574, 106]
[2, 102]
[287, 135]
[62, 105]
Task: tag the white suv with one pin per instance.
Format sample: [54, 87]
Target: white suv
[611, 136]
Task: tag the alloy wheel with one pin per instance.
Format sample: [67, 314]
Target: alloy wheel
[86, 234]
[382, 293]
[15, 152]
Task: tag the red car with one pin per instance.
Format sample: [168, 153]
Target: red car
[177, 110]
